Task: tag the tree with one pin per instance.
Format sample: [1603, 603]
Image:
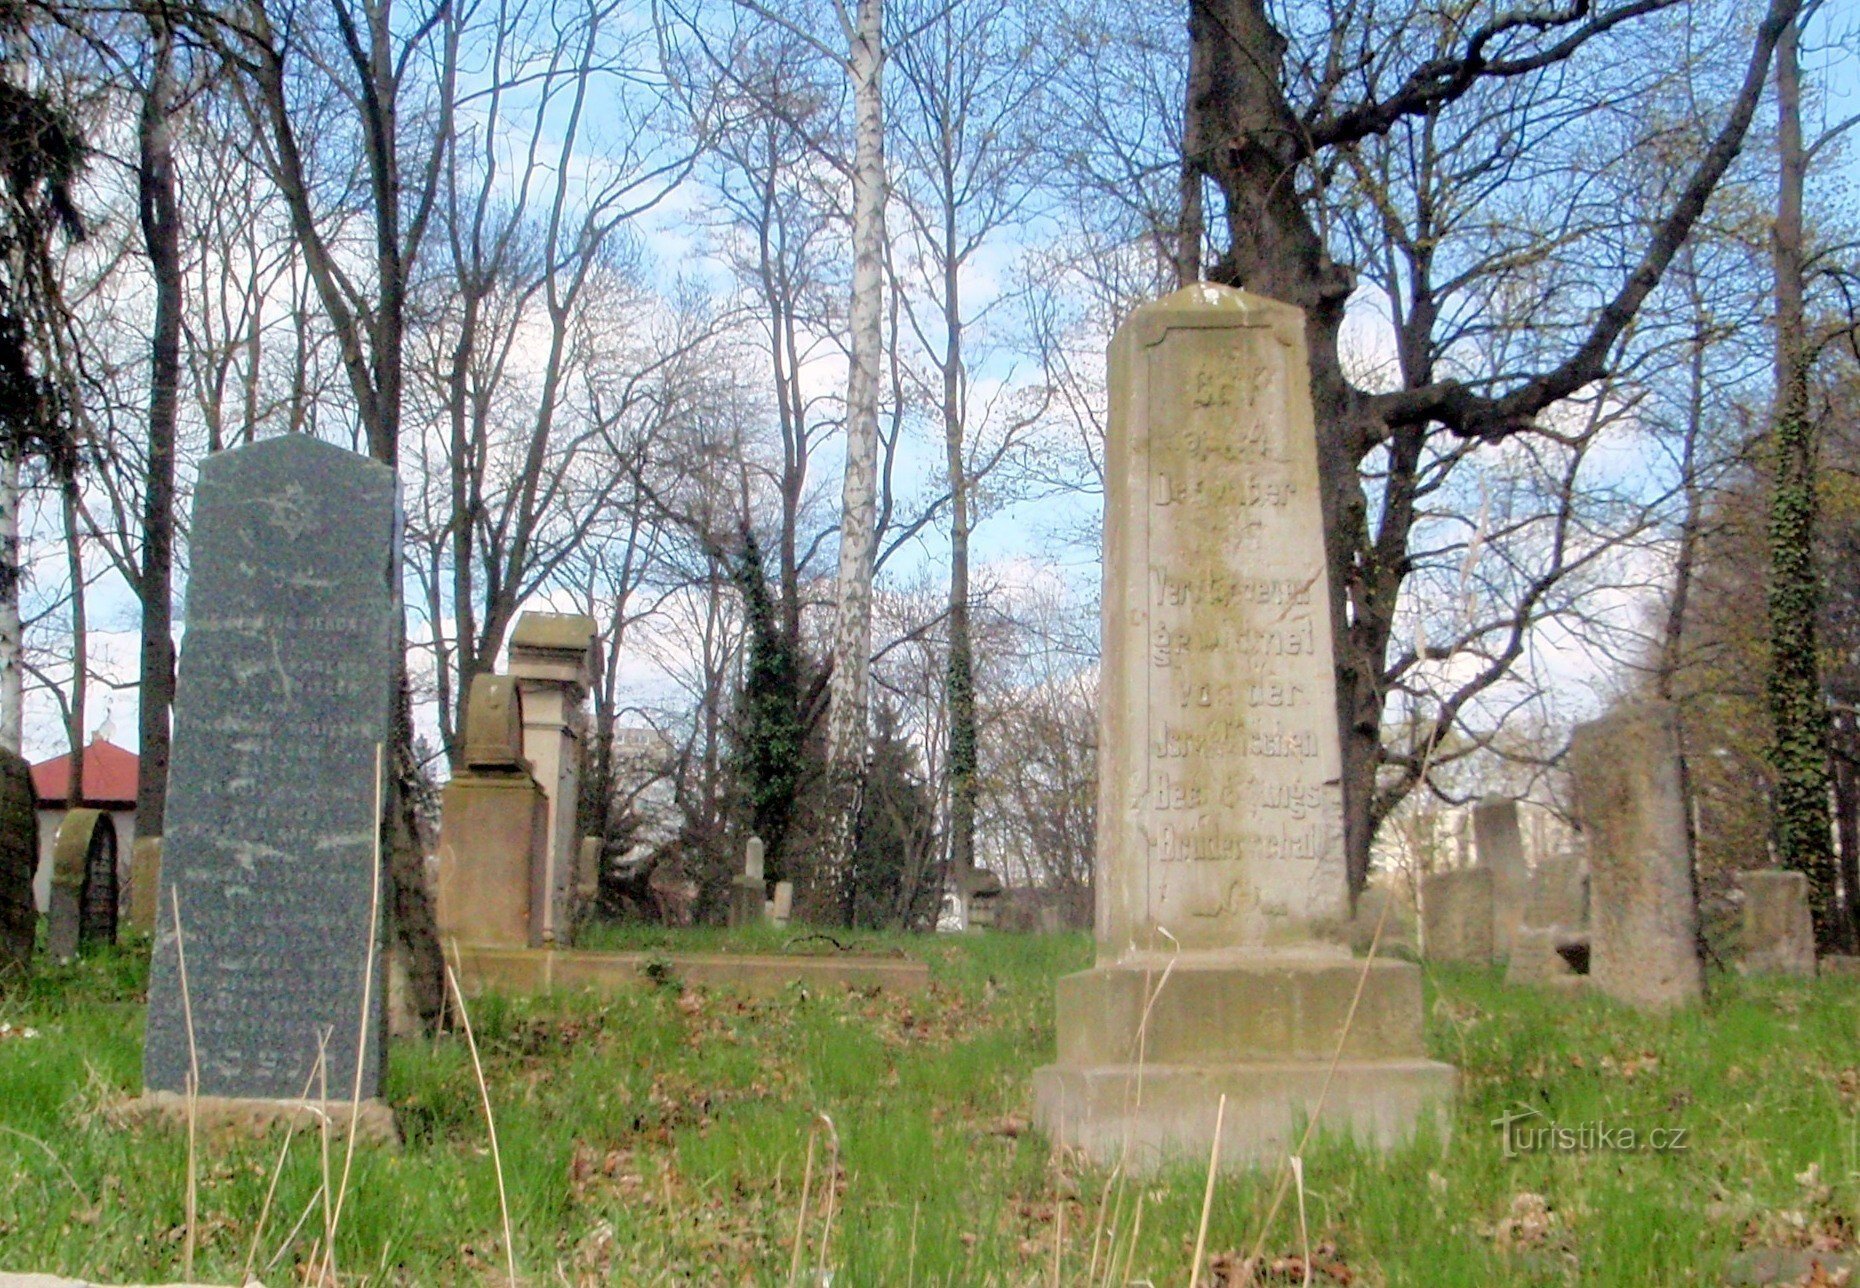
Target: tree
[1267, 123]
[1798, 711]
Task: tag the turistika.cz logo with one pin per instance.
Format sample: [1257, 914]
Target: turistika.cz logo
[1528, 1131]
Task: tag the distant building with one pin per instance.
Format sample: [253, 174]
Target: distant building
[109, 785]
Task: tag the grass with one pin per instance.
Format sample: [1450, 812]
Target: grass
[661, 1137]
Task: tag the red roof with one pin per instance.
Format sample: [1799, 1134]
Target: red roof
[109, 777]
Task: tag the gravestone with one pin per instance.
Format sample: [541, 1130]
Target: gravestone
[1456, 916]
[493, 829]
[1778, 930]
[1559, 893]
[83, 903]
[749, 891]
[1500, 847]
[1220, 860]
[144, 882]
[19, 859]
[1376, 906]
[283, 696]
[552, 663]
[1630, 804]
[781, 907]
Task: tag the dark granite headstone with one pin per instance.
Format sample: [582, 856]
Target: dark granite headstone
[283, 693]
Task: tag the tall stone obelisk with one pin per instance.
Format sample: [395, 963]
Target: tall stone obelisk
[1220, 869]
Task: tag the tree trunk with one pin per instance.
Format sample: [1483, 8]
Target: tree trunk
[1798, 713]
[80, 634]
[852, 636]
[161, 233]
[12, 654]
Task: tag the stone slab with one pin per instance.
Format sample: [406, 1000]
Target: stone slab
[492, 829]
[494, 724]
[1778, 934]
[1457, 916]
[1398, 926]
[252, 1116]
[284, 693]
[1151, 1117]
[537, 971]
[1630, 804]
[144, 883]
[1559, 893]
[1534, 958]
[84, 893]
[1280, 1006]
[748, 901]
[1499, 846]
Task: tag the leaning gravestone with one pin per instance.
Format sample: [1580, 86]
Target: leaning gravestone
[1220, 861]
[1631, 805]
[749, 891]
[283, 695]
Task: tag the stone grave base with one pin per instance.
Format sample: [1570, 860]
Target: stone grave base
[1141, 1071]
[529, 971]
[374, 1121]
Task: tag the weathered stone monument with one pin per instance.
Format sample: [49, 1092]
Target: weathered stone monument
[552, 662]
[19, 857]
[1778, 935]
[493, 829]
[1535, 958]
[1500, 847]
[1631, 806]
[1375, 907]
[83, 904]
[781, 906]
[1220, 866]
[1457, 915]
[749, 890]
[284, 694]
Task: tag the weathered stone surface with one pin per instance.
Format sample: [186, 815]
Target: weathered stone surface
[1559, 893]
[1500, 847]
[1219, 864]
[254, 1116]
[283, 697]
[493, 827]
[1377, 906]
[1534, 958]
[494, 724]
[1456, 916]
[144, 883]
[781, 907]
[1643, 914]
[1778, 929]
[19, 859]
[552, 664]
[83, 905]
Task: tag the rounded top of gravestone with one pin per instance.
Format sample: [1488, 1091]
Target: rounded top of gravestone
[71, 847]
[494, 724]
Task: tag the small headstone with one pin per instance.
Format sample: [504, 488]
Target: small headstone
[1500, 847]
[1456, 916]
[753, 859]
[1778, 929]
[494, 724]
[1377, 906]
[144, 883]
[83, 905]
[1626, 776]
[19, 859]
[283, 696]
[1559, 893]
[781, 907]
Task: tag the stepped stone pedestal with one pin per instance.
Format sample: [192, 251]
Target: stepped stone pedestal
[1220, 883]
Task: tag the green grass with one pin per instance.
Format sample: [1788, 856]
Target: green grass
[660, 1137]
